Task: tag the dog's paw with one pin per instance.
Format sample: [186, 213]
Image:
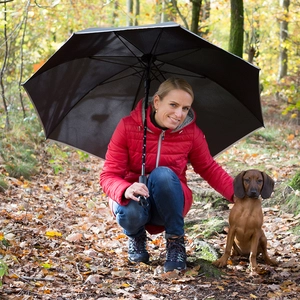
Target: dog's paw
[271, 262]
[221, 262]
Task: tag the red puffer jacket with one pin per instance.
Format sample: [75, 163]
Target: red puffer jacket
[173, 149]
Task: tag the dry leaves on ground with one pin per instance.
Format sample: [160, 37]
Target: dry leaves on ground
[60, 241]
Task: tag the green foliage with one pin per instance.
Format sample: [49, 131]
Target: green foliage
[18, 145]
[292, 203]
[270, 134]
[3, 183]
[3, 270]
[267, 135]
[4, 242]
[295, 182]
[205, 251]
[83, 156]
[296, 231]
[212, 226]
[293, 109]
[58, 157]
[206, 227]
[18, 168]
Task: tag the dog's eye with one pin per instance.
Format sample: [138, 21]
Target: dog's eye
[259, 181]
[246, 180]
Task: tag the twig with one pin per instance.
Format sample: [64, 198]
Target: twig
[208, 296]
[35, 278]
[23, 279]
[257, 291]
[78, 271]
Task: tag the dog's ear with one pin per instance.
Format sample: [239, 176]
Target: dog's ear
[238, 186]
[268, 186]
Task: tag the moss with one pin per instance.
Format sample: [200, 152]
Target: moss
[207, 269]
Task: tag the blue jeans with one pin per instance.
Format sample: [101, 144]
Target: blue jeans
[165, 207]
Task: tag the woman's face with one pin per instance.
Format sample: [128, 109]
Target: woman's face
[172, 110]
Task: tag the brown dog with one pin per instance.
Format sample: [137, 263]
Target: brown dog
[245, 234]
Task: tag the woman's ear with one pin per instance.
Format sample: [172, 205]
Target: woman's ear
[155, 101]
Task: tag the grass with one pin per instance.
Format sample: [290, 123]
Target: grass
[19, 157]
[19, 151]
[3, 183]
[295, 182]
[296, 231]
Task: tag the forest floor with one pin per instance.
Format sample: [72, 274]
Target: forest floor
[59, 240]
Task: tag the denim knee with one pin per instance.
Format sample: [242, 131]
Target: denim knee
[132, 217]
[162, 174]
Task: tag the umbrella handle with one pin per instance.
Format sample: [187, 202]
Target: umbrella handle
[143, 179]
[147, 87]
[148, 59]
[142, 199]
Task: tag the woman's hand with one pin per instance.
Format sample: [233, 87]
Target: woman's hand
[135, 190]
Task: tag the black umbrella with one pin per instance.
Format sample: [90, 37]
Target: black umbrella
[98, 76]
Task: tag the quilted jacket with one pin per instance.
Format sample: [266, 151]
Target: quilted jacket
[171, 148]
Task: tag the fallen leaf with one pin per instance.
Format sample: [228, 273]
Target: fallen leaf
[74, 237]
[94, 279]
[119, 273]
[53, 233]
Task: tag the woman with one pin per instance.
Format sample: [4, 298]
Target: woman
[173, 140]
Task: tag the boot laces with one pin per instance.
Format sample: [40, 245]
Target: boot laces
[137, 244]
[176, 250]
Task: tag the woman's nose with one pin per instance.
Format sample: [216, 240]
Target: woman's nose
[178, 112]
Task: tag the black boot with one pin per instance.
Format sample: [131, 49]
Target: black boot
[137, 248]
[176, 255]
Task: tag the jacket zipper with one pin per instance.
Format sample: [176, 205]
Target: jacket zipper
[160, 139]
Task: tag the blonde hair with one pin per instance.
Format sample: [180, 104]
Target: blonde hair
[174, 83]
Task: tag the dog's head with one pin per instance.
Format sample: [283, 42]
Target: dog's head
[252, 183]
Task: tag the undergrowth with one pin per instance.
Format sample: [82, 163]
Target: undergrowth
[18, 147]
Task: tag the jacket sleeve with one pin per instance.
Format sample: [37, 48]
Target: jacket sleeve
[204, 164]
[115, 166]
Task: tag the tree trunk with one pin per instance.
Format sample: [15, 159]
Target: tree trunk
[22, 56]
[205, 14]
[196, 8]
[115, 14]
[283, 56]
[129, 12]
[3, 69]
[137, 12]
[236, 38]
[175, 6]
[166, 14]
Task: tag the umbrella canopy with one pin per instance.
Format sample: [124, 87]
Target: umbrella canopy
[98, 76]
